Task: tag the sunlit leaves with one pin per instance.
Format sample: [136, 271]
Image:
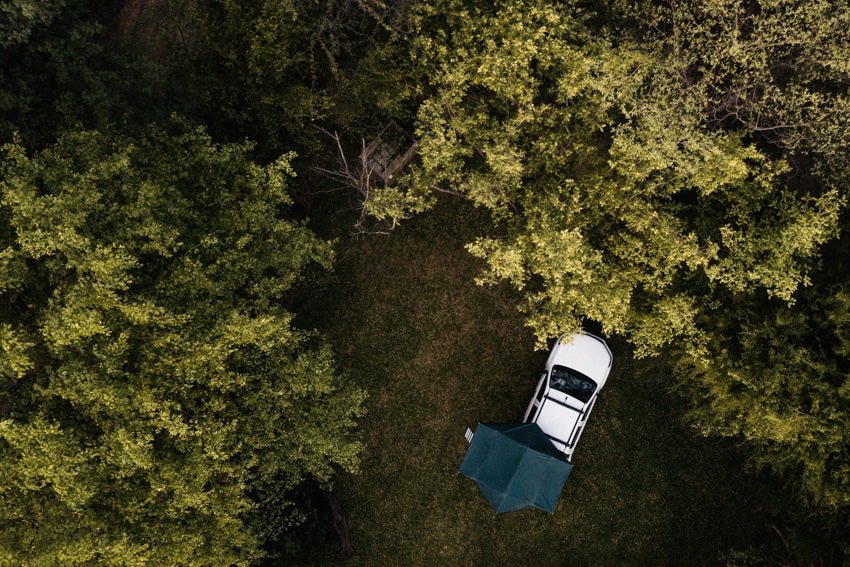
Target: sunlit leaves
[159, 378]
[599, 161]
[659, 177]
[778, 69]
[783, 391]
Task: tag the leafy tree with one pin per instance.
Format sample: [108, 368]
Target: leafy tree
[621, 197]
[18, 19]
[778, 69]
[156, 399]
[264, 69]
[777, 380]
[619, 205]
[53, 70]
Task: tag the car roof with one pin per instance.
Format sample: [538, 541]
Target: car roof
[558, 421]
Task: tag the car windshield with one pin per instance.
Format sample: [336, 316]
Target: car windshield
[572, 383]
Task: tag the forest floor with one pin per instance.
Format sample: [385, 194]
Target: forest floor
[438, 353]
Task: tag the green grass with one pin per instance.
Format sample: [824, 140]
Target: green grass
[438, 353]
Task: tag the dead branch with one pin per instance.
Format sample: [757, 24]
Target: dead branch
[377, 165]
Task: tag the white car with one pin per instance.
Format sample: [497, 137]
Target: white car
[575, 372]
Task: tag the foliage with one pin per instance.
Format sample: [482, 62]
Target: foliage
[18, 19]
[781, 70]
[157, 385]
[628, 200]
[778, 69]
[263, 69]
[613, 193]
[53, 71]
[779, 382]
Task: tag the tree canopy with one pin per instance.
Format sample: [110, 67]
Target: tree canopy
[154, 384]
[675, 185]
[672, 173]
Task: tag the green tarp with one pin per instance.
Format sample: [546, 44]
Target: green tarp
[516, 466]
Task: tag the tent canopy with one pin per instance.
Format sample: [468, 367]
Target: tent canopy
[516, 466]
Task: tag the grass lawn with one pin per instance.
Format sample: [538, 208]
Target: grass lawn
[438, 353]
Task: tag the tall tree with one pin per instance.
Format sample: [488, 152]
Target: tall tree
[155, 395]
[777, 381]
[620, 206]
[54, 72]
[622, 196]
[264, 69]
[778, 69]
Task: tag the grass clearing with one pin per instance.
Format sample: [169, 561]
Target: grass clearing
[438, 353]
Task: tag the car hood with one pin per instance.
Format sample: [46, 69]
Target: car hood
[585, 353]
